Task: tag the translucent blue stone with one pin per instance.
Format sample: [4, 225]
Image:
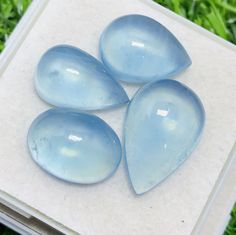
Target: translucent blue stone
[138, 49]
[73, 146]
[164, 123]
[69, 77]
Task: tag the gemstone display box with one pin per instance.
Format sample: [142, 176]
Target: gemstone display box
[87, 210]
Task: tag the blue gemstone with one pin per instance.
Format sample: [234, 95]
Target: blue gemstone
[164, 123]
[76, 147]
[138, 49]
[69, 77]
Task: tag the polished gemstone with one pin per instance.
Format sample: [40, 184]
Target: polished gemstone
[76, 147]
[138, 49]
[164, 123]
[69, 77]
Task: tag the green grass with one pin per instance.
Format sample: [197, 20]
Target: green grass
[218, 16]
[10, 13]
[231, 228]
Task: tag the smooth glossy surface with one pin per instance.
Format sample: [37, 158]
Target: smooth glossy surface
[69, 77]
[163, 125]
[138, 49]
[73, 146]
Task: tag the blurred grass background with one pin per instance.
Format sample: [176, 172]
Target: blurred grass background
[10, 13]
[218, 16]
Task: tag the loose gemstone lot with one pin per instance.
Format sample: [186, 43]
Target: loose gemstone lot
[164, 119]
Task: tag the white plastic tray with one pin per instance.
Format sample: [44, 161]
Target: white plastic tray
[182, 203]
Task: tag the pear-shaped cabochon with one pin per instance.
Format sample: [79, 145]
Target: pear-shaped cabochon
[138, 49]
[73, 146]
[164, 122]
[69, 77]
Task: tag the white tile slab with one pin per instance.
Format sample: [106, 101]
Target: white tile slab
[111, 207]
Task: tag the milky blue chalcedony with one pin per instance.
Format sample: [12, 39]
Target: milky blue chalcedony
[138, 49]
[163, 125]
[69, 77]
[73, 146]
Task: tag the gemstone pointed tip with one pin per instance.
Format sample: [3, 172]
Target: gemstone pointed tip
[141, 191]
[124, 98]
[141, 186]
[188, 61]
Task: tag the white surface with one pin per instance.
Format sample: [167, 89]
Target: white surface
[111, 207]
